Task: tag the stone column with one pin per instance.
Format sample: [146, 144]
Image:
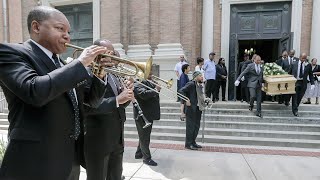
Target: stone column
[296, 17]
[315, 36]
[207, 28]
[139, 29]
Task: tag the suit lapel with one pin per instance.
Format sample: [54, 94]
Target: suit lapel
[40, 55]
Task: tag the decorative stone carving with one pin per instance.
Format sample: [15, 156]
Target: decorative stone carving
[270, 22]
[247, 23]
[259, 7]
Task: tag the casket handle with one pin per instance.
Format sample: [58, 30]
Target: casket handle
[286, 86]
[279, 86]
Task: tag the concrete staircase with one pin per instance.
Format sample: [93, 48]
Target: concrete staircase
[231, 123]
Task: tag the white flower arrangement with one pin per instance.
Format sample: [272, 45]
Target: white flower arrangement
[271, 69]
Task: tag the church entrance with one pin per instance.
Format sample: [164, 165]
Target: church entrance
[267, 49]
[264, 27]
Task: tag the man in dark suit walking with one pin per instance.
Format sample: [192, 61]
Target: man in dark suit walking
[150, 105]
[285, 63]
[45, 98]
[196, 104]
[104, 140]
[243, 84]
[300, 70]
[254, 73]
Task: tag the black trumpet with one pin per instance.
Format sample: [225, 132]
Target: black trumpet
[140, 114]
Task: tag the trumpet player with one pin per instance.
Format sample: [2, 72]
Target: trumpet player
[45, 98]
[150, 105]
[104, 140]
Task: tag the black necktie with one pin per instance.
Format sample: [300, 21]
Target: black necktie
[301, 72]
[74, 104]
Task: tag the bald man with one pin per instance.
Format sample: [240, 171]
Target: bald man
[301, 70]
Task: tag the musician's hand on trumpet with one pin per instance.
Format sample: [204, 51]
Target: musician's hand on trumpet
[89, 54]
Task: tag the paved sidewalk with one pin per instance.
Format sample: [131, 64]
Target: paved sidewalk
[199, 165]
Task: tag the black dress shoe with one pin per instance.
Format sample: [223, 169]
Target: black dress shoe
[150, 162]
[197, 145]
[259, 115]
[191, 147]
[296, 114]
[287, 104]
[250, 108]
[123, 178]
[138, 156]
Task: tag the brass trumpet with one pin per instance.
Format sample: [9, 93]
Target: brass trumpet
[145, 67]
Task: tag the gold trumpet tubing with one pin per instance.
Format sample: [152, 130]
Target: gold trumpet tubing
[110, 56]
[169, 82]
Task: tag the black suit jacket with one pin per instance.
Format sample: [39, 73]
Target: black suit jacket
[221, 71]
[148, 101]
[189, 90]
[284, 63]
[41, 114]
[293, 70]
[105, 125]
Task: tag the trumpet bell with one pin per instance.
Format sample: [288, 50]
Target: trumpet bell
[145, 67]
[169, 83]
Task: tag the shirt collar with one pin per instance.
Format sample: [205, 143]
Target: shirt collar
[45, 50]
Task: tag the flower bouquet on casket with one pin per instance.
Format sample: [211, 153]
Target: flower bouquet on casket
[277, 81]
[270, 69]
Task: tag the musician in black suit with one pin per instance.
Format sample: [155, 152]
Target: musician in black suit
[104, 139]
[45, 98]
[300, 70]
[150, 105]
[254, 73]
[196, 104]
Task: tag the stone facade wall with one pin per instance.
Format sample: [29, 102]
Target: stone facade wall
[143, 22]
[306, 26]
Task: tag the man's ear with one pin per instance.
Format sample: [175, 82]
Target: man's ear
[35, 27]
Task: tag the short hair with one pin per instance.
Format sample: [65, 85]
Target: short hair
[314, 59]
[212, 54]
[184, 67]
[220, 59]
[98, 41]
[39, 14]
[199, 60]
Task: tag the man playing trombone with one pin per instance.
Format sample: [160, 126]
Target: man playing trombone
[148, 99]
[104, 140]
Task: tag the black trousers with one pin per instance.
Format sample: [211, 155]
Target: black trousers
[211, 88]
[193, 119]
[106, 166]
[144, 139]
[245, 95]
[255, 94]
[296, 98]
[178, 85]
[223, 85]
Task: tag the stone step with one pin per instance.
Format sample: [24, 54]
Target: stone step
[244, 105]
[239, 113]
[261, 126]
[252, 118]
[235, 132]
[3, 116]
[4, 122]
[298, 143]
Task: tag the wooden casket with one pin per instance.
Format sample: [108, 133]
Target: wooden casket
[279, 84]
